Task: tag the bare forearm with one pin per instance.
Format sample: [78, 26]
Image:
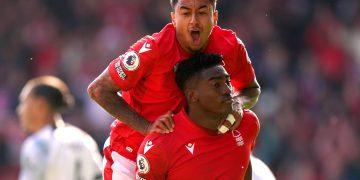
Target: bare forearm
[249, 97]
[118, 108]
[104, 92]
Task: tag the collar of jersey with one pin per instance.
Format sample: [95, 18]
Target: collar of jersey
[191, 126]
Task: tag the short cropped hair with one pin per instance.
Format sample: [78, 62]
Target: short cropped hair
[53, 90]
[174, 2]
[187, 69]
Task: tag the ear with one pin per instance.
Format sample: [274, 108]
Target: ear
[172, 14]
[192, 96]
[215, 17]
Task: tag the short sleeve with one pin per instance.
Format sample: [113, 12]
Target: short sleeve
[151, 161]
[243, 70]
[135, 64]
[253, 126]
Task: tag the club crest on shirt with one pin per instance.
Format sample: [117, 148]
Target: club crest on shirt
[238, 138]
[142, 164]
[131, 61]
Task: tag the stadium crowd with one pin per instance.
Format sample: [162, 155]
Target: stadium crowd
[306, 55]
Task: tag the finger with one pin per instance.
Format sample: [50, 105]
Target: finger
[231, 119]
[166, 124]
[237, 114]
[169, 115]
[238, 119]
[235, 125]
[158, 127]
[159, 130]
[224, 127]
[171, 121]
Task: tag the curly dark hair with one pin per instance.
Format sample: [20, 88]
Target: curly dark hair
[189, 68]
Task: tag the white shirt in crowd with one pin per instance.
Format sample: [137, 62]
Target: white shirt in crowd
[260, 171]
[64, 153]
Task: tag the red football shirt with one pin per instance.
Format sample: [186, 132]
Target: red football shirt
[193, 152]
[146, 77]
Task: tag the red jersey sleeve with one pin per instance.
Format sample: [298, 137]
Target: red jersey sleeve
[243, 70]
[129, 68]
[152, 159]
[252, 125]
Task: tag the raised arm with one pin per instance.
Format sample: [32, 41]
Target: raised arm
[105, 92]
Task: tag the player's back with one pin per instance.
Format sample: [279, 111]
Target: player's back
[73, 155]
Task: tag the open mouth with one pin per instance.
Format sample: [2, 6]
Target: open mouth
[195, 35]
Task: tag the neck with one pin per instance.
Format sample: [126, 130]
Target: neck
[45, 120]
[206, 119]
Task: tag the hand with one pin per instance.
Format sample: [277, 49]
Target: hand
[237, 112]
[233, 120]
[163, 124]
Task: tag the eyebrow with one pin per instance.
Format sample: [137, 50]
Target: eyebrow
[203, 6]
[218, 77]
[184, 7]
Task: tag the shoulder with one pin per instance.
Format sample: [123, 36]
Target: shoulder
[74, 136]
[34, 153]
[164, 144]
[156, 143]
[68, 133]
[165, 40]
[251, 119]
[226, 42]
[166, 34]
[228, 36]
[156, 40]
[37, 144]
[31, 145]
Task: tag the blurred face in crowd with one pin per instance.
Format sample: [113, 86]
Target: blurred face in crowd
[193, 21]
[31, 111]
[212, 91]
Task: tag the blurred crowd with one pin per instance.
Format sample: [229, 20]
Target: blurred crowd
[306, 55]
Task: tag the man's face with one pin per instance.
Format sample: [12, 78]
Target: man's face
[213, 90]
[193, 21]
[28, 111]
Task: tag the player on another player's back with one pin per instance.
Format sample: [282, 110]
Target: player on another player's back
[144, 75]
[196, 149]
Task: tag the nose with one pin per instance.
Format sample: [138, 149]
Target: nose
[194, 19]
